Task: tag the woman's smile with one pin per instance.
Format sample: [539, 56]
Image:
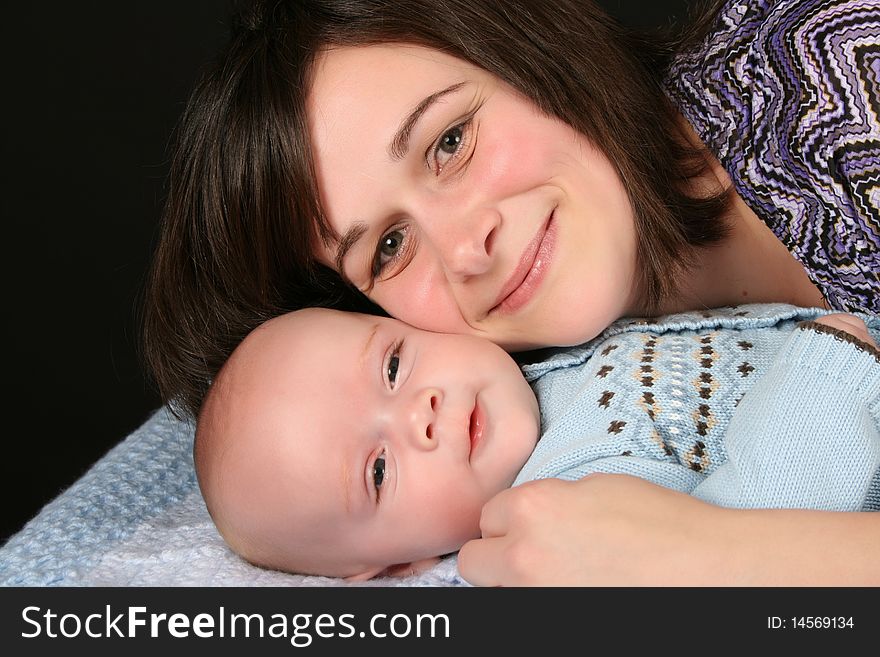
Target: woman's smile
[530, 273]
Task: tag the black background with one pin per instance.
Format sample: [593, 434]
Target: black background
[90, 95]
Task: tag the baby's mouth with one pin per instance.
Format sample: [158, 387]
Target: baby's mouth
[475, 428]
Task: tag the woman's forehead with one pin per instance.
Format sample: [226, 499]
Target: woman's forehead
[388, 80]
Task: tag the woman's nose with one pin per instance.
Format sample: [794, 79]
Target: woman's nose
[465, 243]
[423, 409]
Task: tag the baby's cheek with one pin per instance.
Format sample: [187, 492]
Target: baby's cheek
[457, 518]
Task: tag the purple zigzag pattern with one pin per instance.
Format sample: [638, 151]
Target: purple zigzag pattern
[786, 93]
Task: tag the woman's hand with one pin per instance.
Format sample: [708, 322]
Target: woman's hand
[601, 530]
[618, 530]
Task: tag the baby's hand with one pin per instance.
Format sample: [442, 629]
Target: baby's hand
[850, 324]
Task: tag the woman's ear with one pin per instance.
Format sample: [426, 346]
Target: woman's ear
[398, 570]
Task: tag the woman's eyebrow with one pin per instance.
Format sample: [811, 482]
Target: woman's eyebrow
[351, 237]
[400, 143]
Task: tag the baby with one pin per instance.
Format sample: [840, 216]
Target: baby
[352, 445]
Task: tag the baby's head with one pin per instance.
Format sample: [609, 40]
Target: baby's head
[351, 445]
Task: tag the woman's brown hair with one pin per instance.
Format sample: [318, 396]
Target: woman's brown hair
[242, 219]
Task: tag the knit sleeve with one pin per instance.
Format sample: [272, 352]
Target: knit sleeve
[806, 435]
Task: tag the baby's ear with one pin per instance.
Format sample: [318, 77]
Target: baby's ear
[397, 570]
[367, 574]
[412, 568]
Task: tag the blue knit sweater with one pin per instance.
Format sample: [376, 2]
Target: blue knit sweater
[751, 406]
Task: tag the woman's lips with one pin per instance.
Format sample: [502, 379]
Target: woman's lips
[476, 427]
[529, 274]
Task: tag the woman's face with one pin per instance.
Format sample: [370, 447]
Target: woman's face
[460, 207]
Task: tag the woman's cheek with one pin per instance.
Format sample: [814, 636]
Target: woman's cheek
[504, 166]
[420, 296]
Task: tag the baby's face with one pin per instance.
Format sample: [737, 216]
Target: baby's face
[359, 442]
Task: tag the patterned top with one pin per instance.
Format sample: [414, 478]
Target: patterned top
[786, 93]
[745, 407]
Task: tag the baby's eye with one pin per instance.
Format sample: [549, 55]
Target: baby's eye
[393, 365]
[378, 473]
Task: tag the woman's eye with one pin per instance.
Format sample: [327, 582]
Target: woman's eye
[390, 244]
[378, 472]
[450, 141]
[390, 247]
[449, 146]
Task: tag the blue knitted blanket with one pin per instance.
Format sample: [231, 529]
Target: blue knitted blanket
[136, 518]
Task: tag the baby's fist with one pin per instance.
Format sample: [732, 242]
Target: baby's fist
[850, 324]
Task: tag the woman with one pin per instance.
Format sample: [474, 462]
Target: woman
[516, 170]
